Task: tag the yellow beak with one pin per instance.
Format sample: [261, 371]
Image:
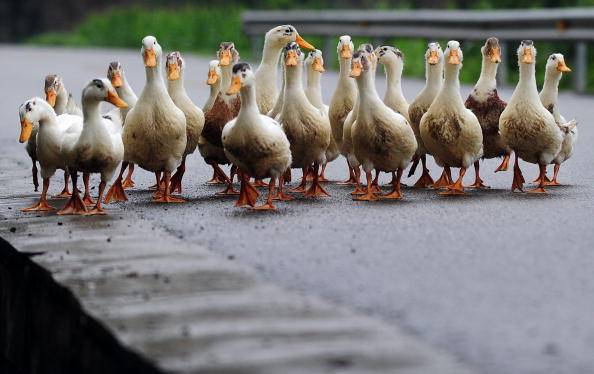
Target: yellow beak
[116, 80]
[225, 59]
[26, 129]
[433, 58]
[150, 58]
[50, 97]
[212, 77]
[527, 57]
[317, 65]
[356, 69]
[291, 59]
[235, 86]
[112, 97]
[454, 58]
[302, 43]
[562, 67]
[495, 55]
[173, 72]
[345, 51]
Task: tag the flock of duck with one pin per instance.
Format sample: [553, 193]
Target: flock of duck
[261, 133]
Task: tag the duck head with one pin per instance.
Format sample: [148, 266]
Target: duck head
[151, 51]
[556, 64]
[214, 72]
[115, 74]
[53, 84]
[227, 54]
[315, 61]
[281, 35]
[243, 76]
[30, 112]
[491, 50]
[527, 52]
[434, 53]
[387, 54]
[345, 47]
[292, 55]
[368, 49]
[453, 53]
[175, 66]
[100, 89]
[361, 63]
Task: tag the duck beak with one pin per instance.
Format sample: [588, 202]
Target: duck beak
[454, 58]
[562, 67]
[112, 97]
[356, 68]
[150, 58]
[527, 57]
[317, 65]
[495, 55]
[50, 97]
[291, 59]
[212, 77]
[302, 43]
[26, 129]
[116, 80]
[433, 58]
[235, 86]
[345, 51]
[173, 71]
[225, 59]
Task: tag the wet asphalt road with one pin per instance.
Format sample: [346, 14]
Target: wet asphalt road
[503, 281]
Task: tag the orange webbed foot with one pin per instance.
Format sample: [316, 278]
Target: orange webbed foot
[116, 192]
[316, 190]
[41, 206]
[264, 207]
[367, 196]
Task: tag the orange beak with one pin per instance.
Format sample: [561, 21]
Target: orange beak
[454, 58]
[112, 97]
[303, 44]
[150, 58]
[345, 51]
[225, 59]
[235, 86]
[562, 67]
[50, 97]
[527, 57]
[291, 59]
[495, 55]
[212, 77]
[116, 80]
[433, 58]
[173, 71]
[26, 129]
[356, 69]
[317, 65]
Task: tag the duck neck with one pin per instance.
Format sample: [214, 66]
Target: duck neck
[226, 76]
[433, 77]
[314, 88]
[61, 100]
[215, 89]
[48, 119]
[249, 107]
[394, 78]
[550, 88]
[91, 110]
[153, 75]
[367, 92]
[527, 81]
[293, 77]
[270, 55]
[451, 84]
[176, 87]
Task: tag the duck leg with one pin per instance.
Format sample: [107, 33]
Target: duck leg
[217, 174]
[176, 180]
[164, 194]
[247, 193]
[537, 179]
[457, 188]
[445, 179]
[128, 182]
[229, 191]
[287, 176]
[375, 184]
[42, 205]
[98, 210]
[316, 189]
[117, 190]
[358, 189]
[554, 181]
[75, 204]
[280, 194]
[395, 193]
[66, 191]
[159, 185]
[87, 196]
[34, 174]
[518, 181]
[322, 177]
[368, 195]
[425, 180]
[271, 194]
[302, 185]
[542, 180]
[504, 164]
[478, 182]
[258, 182]
[351, 179]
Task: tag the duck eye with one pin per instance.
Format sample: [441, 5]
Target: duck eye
[553, 58]
[243, 75]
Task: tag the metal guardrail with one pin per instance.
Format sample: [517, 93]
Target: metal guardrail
[572, 25]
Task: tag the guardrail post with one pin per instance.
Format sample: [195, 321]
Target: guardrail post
[502, 73]
[328, 50]
[580, 78]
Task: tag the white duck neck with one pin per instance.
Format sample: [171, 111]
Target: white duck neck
[394, 79]
[314, 88]
[226, 76]
[177, 86]
[550, 88]
[249, 107]
[61, 100]
[433, 77]
[527, 83]
[215, 89]
[48, 119]
[91, 110]
[154, 77]
[270, 55]
[451, 85]
[367, 92]
[488, 79]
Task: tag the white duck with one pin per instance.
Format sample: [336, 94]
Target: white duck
[194, 115]
[266, 75]
[393, 61]
[548, 97]
[98, 149]
[450, 132]
[53, 133]
[255, 142]
[419, 106]
[306, 127]
[486, 105]
[155, 132]
[382, 139]
[344, 97]
[526, 126]
[314, 65]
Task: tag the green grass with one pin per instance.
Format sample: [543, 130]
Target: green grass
[201, 29]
